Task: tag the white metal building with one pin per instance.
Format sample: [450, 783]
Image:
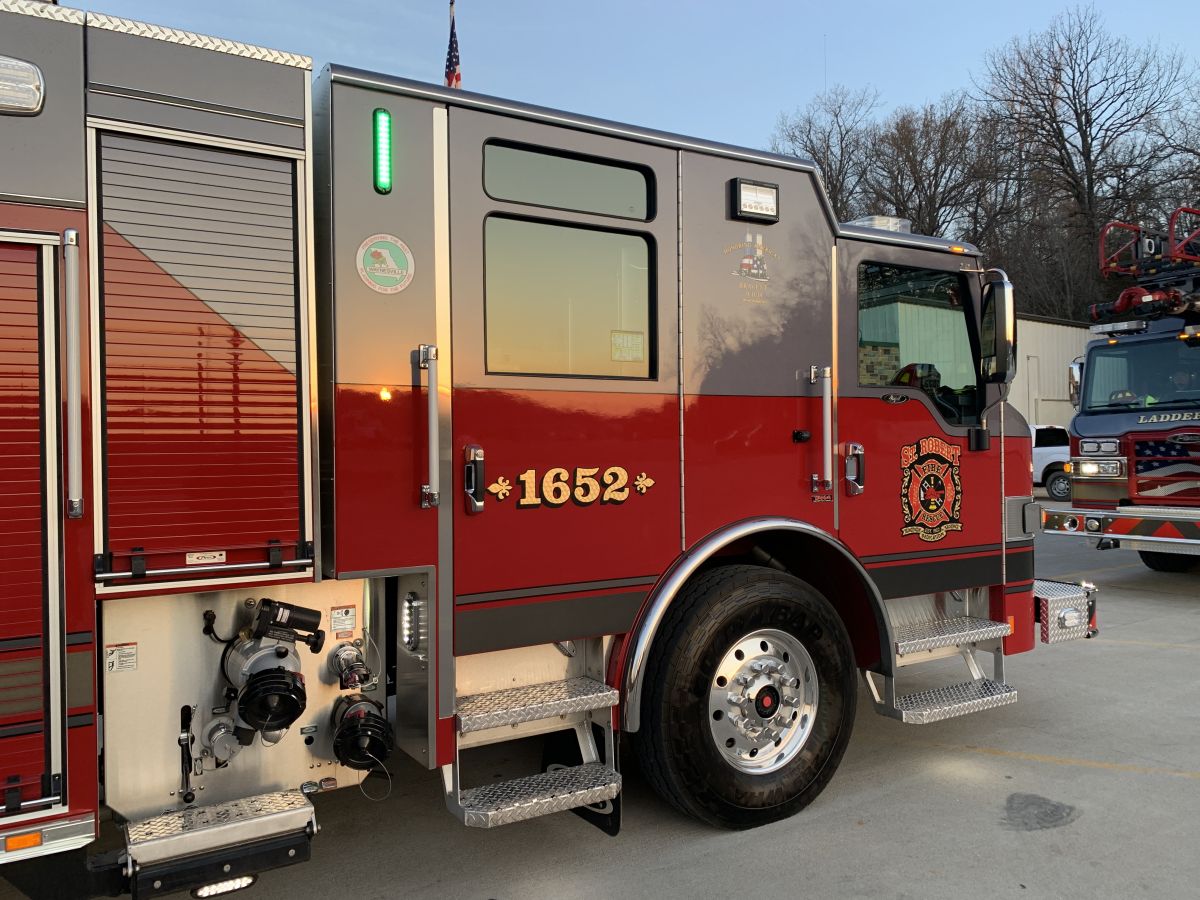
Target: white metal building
[1045, 347]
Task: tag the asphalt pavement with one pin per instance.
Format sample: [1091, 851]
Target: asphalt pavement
[1089, 786]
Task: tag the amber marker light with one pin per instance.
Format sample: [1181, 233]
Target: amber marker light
[385, 394]
[22, 841]
[958, 249]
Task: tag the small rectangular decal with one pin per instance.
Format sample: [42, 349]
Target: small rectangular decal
[208, 557]
[120, 657]
[628, 346]
[342, 620]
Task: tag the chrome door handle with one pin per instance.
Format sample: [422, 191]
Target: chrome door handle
[474, 479]
[431, 491]
[823, 481]
[74, 384]
[856, 469]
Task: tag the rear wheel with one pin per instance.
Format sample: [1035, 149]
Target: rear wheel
[749, 698]
[1058, 485]
[1168, 562]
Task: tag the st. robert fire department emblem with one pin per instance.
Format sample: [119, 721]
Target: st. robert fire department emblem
[931, 490]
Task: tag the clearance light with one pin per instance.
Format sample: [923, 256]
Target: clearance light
[385, 394]
[382, 150]
[22, 841]
[1068, 468]
[22, 89]
[217, 888]
[958, 249]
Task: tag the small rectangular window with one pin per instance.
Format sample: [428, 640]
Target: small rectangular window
[913, 332]
[565, 300]
[1052, 437]
[563, 181]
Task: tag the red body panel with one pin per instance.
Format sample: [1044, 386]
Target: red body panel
[380, 464]
[741, 461]
[508, 547]
[202, 440]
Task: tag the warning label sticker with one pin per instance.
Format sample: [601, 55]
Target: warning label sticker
[120, 657]
[342, 620]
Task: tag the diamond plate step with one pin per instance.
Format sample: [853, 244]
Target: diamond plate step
[947, 633]
[533, 702]
[539, 795]
[953, 700]
[200, 829]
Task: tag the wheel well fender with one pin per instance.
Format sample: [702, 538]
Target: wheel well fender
[799, 548]
[1050, 469]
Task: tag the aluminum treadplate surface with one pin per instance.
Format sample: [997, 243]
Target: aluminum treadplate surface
[975, 696]
[1059, 590]
[529, 704]
[538, 795]
[947, 633]
[199, 829]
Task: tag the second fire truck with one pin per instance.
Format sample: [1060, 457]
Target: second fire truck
[376, 419]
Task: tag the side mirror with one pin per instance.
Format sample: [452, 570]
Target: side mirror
[998, 330]
[1074, 380]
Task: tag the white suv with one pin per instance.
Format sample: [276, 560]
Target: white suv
[1051, 453]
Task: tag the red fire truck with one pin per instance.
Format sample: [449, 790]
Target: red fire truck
[370, 418]
[1135, 439]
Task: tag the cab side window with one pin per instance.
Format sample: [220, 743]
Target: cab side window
[913, 333]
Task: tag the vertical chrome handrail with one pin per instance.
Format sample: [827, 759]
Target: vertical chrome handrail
[823, 481]
[431, 491]
[74, 386]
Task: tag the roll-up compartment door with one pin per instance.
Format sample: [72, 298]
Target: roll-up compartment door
[202, 453]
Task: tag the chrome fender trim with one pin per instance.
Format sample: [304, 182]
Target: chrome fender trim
[663, 595]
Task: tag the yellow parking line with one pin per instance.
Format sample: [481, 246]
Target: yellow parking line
[1070, 761]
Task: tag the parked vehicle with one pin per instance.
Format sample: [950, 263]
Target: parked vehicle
[1135, 439]
[1051, 459]
[389, 419]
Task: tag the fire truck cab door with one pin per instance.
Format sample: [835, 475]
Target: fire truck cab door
[917, 506]
[565, 445]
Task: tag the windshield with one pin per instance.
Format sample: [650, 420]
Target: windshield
[1162, 374]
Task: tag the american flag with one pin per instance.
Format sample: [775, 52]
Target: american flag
[453, 73]
[1166, 468]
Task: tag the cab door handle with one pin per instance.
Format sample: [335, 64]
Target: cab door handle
[856, 469]
[474, 479]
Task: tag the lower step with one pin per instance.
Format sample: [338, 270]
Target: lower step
[963, 699]
[538, 795]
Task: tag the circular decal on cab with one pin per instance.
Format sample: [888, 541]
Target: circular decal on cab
[385, 264]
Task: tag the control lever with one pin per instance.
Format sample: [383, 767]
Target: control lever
[186, 794]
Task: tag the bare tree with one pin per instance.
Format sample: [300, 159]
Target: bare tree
[927, 164]
[832, 131]
[1091, 109]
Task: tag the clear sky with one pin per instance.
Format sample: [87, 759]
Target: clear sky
[716, 70]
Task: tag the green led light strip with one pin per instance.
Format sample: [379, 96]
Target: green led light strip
[382, 142]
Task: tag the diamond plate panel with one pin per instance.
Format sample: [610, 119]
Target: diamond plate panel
[953, 700]
[43, 11]
[1065, 614]
[201, 828]
[947, 633]
[191, 39]
[1059, 590]
[529, 704]
[539, 795]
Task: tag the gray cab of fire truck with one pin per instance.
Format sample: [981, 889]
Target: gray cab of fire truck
[254, 550]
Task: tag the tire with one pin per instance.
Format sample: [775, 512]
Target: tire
[1168, 562]
[682, 752]
[1058, 485]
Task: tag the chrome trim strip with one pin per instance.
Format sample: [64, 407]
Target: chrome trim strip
[679, 374]
[43, 11]
[74, 387]
[307, 368]
[189, 137]
[836, 366]
[191, 39]
[577, 587]
[664, 594]
[193, 570]
[95, 338]
[175, 587]
[30, 200]
[444, 688]
[30, 237]
[52, 450]
[108, 90]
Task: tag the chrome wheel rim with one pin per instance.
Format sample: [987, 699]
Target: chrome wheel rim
[762, 701]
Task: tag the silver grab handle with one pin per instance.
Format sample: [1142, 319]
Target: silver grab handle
[74, 386]
[824, 481]
[856, 469]
[431, 492]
